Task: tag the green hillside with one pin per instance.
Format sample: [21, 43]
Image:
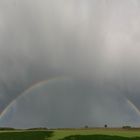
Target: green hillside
[81, 134]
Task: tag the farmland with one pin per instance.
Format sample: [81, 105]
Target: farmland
[72, 134]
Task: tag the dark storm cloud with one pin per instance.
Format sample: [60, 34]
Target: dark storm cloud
[93, 40]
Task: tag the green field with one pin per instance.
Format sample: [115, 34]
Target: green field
[83, 134]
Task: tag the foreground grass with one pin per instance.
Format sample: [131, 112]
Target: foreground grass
[61, 134]
[98, 137]
[83, 134]
[25, 135]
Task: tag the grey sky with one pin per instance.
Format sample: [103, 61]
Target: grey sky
[92, 40]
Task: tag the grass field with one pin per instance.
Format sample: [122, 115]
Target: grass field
[81, 134]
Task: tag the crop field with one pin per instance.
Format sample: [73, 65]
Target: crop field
[75, 134]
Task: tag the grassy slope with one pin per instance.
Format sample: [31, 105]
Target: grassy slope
[25, 135]
[64, 134]
[59, 134]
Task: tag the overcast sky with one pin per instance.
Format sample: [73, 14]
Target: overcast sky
[95, 41]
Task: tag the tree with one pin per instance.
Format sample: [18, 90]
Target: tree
[105, 125]
[86, 126]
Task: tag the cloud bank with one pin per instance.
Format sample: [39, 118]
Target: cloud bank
[91, 40]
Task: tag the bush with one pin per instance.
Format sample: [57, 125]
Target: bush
[38, 128]
[126, 127]
[6, 128]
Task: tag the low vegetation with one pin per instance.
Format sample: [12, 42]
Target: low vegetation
[98, 137]
[25, 135]
[72, 134]
[6, 128]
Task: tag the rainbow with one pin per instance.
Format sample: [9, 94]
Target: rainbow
[133, 106]
[36, 85]
[44, 82]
